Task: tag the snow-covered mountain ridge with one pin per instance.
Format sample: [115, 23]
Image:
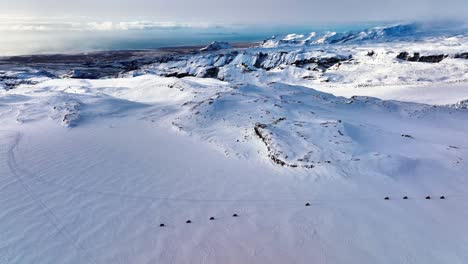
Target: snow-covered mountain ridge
[391, 33]
[387, 47]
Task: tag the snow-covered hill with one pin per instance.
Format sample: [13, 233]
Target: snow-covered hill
[288, 148]
[392, 33]
[216, 45]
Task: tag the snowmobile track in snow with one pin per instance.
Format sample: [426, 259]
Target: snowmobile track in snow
[53, 219]
[21, 175]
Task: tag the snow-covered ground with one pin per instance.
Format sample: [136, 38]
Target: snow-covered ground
[90, 169]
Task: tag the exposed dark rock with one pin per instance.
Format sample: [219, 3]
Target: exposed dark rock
[432, 58]
[84, 74]
[69, 112]
[258, 128]
[416, 57]
[272, 154]
[247, 68]
[460, 105]
[211, 72]
[402, 55]
[261, 57]
[323, 63]
[9, 83]
[463, 55]
[178, 74]
[279, 120]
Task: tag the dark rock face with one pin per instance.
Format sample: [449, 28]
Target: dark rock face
[322, 63]
[463, 55]
[9, 83]
[12, 79]
[433, 58]
[231, 55]
[416, 57]
[403, 55]
[210, 73]
[261, 57]
[83, 74]
[261, 60]
[261, 130]
[460, 105]
[178, 74]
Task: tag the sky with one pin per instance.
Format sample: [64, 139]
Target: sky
[239, 11]
[69, 26]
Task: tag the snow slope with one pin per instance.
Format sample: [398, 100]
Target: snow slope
[90, 169]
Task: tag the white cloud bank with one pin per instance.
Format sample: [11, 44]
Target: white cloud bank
[26, 24]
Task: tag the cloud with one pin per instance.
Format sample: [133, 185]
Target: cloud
[15, 24]
[239, 11]
[130, 25]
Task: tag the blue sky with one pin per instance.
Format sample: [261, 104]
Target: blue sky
[240, 11]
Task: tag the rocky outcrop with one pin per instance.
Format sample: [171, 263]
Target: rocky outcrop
[83, 74]
[261, 131]
[260, 59]
[12, 79]
[322, 63]
[67, 112]
[416, 57]
[463, 55]
[432, 58]
[211, 72]
[210, 65]
[403, 55]
[460, 105]
[178, 74]
[266, 139]
[8, 83]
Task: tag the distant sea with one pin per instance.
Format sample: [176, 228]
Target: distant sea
[37, 40]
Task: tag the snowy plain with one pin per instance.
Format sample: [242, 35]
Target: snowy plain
[90, 169]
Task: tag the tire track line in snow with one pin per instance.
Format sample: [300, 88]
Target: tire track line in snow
[53, 219]
[286, 202]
